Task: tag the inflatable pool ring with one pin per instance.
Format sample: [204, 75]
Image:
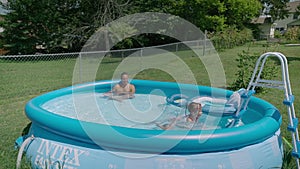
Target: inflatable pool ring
[179, 100]
[211, 106]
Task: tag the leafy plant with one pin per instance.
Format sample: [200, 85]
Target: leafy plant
[54, 26]
[230, 37]
[292, 34]
[288, 159]
[246, 65]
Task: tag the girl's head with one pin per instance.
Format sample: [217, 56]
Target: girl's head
[195, 109]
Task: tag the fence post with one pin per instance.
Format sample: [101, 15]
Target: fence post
[141, 55]
[80, 67]
[204, 43]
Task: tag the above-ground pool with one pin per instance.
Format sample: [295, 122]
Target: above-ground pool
[76, 127]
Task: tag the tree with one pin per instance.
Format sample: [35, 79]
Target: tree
[298, 10]
[32, 23]
[240, 12]
[206, 14]
[55, 25]
[212, 15]
[276, 8]
[58, 25]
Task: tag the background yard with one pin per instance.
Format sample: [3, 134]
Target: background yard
[22, 80]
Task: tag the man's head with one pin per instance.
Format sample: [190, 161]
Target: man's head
[124, 77]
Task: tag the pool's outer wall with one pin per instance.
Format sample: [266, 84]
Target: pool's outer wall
[45, 153]
[48, 126]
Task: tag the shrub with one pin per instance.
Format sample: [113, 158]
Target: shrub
[292, 34]
[277, 34]
[246, 65]
[230, 37]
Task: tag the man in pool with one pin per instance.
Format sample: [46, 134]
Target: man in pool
[122, 90]
[188, 121]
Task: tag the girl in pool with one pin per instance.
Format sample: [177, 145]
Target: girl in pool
[187, 121]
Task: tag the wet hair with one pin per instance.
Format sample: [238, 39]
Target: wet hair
[124, 73]
[194, 107]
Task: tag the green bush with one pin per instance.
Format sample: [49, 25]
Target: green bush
[277, 34]
[246, 65]
[292, 34]
[230, 37]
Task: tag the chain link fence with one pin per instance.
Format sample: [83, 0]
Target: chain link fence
[23, 75]
[33, 74]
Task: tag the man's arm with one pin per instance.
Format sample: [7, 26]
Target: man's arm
[131, 89]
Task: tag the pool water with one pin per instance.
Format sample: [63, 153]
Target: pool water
[144, 111]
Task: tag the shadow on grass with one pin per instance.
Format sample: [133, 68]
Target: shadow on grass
[289, 59]
[25, 131]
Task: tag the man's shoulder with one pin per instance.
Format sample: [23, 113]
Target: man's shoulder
[117, 85]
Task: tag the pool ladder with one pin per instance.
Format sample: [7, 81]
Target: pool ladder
[282, 85]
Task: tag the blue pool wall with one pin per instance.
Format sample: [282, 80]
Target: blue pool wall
[55, 127]
[46, 152]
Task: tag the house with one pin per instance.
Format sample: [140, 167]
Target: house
[267, 26]
[1, 19]
[293, 18]
[2, 12]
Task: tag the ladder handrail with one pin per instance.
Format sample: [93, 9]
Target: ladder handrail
[291, 109]
[288, 91]
[286, 86]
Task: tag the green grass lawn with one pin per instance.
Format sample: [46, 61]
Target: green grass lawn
[21, 81]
